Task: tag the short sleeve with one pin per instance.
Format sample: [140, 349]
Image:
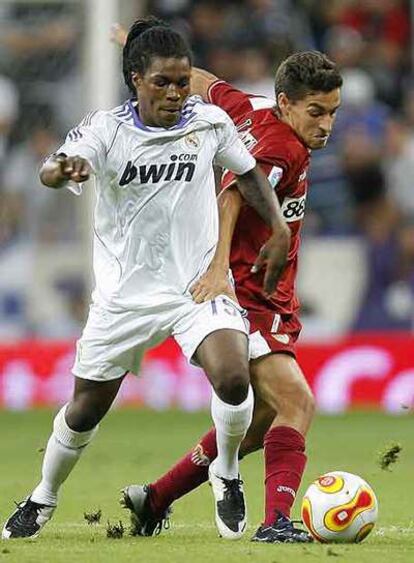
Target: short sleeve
[231, 152]
[88, 140]
[274, 174]
[234, 102]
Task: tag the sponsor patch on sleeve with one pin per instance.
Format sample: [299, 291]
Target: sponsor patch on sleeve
[275, 175]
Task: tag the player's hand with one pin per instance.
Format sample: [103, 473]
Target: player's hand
[273, 255]
[118, 34]
[214, 282]
[60, 169]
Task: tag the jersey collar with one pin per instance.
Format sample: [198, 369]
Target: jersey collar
[138, 123]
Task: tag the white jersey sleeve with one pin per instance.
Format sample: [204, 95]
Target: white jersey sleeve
[89, 140]
[232, 153]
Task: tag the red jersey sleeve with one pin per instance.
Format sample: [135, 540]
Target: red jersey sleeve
[234, 102]
[273, 172]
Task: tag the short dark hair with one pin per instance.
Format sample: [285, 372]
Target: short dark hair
[147, 38]
[306, 72]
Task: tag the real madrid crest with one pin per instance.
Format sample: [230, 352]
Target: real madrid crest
[192, 142]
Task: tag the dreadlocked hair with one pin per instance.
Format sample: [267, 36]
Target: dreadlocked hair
[147, 38]
[306, 72]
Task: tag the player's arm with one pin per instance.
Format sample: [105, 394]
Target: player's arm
[258, 193]
[82, 153]
[58, 169]
[201, 81]
[216, 279]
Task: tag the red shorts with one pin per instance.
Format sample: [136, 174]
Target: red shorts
[271, 333]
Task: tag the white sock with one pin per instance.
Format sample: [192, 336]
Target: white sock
[63, 450]
[231, 422]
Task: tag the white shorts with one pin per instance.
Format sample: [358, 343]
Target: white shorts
[113, 343]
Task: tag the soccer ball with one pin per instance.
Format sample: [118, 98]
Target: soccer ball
[339, 507]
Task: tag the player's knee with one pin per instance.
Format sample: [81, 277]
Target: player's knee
[233, 387]
[310, 404]
[306, 401]
[82, 416]
[300, 401]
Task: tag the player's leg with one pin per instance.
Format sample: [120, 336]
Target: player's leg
[73, 428]
[283, 412]
[214, 335]
[280, 382]
[151, 503]
[223, 355]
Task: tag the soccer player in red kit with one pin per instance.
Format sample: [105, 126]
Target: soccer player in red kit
[281, 137]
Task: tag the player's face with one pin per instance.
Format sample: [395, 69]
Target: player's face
[162, 90]
[312, 118]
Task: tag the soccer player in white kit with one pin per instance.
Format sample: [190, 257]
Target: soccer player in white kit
[155, 232]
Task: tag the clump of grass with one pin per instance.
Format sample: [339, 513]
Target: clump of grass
[93, 517]
[115, 531]
[389, 456]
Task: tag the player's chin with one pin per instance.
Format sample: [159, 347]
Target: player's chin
[318, 143]
[169, 118]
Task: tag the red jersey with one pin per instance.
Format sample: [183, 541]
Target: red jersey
[285, 160]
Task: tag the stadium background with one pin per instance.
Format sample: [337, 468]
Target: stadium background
[356, 278]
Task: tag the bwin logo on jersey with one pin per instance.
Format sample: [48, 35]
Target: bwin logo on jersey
[181, 168]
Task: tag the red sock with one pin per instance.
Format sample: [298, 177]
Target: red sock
[285, 462]
[186, 475]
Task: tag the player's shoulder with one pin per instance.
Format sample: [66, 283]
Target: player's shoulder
[123, 113]
[107, 123]
[281, 140]
[204, 111]
[98, 121]
[261, 103]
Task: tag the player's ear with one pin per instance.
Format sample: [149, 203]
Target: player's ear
[283, 102]
[136, 79]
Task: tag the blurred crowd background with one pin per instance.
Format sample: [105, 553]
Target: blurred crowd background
[357, 270]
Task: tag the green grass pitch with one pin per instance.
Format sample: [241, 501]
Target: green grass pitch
[137, 445]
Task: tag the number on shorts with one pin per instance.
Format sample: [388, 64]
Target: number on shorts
[227, 305]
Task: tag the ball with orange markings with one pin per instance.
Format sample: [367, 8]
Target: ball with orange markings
[339, 507]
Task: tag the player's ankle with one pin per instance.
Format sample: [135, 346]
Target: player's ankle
[42, 495]
[155, 502]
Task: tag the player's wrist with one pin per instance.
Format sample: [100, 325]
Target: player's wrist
[281, 231]
[220, 265]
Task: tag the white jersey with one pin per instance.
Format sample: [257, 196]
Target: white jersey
[156, 218]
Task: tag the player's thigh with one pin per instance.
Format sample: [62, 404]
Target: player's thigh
[279, 381]
[214, 335]
[114, 341]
